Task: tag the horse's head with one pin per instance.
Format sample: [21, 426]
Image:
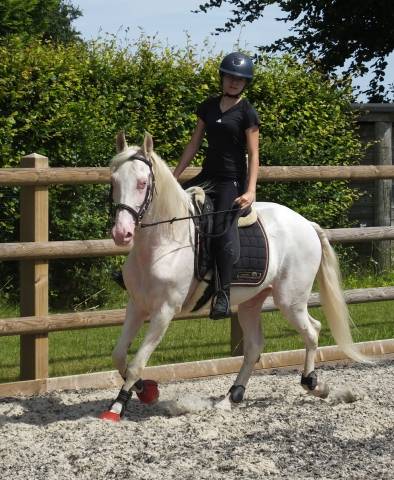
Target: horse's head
[132, 182]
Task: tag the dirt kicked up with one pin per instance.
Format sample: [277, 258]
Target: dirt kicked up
[278, 432]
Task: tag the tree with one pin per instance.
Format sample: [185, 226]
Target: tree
[330, 32]
[48, 19]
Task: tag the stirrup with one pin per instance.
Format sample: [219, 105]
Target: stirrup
[221, 310]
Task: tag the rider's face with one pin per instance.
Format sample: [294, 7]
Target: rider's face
[233, 85]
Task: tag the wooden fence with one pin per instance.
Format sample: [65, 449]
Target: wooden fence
[34, 251]
[375, 127]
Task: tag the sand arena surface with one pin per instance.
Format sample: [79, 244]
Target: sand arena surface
[279, 432]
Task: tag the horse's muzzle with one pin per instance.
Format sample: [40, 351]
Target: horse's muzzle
[123, 229]
[122, 239]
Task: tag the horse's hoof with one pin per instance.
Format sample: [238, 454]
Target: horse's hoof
[149, 393]
[110, 416]
[237, 393]
[309, 382]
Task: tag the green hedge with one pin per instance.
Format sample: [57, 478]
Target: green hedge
[68, 101]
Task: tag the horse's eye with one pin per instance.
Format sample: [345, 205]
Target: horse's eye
[141, 184]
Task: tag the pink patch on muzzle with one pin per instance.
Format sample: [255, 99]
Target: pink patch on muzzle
[123, 230]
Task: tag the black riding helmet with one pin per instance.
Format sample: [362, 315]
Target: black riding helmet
[237, 64]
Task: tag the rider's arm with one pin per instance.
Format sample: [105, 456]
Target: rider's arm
[252, 143]
[191, 148]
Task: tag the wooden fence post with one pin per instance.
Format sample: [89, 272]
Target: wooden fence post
[383, 133]
[34, 274]
[237, 344]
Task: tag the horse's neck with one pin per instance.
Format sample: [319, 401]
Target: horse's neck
[169, 201]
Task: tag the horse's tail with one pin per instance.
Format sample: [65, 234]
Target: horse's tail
[332, 299]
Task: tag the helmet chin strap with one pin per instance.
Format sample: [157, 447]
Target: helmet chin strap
[232, 96]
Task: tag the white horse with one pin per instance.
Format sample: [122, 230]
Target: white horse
[159, 273]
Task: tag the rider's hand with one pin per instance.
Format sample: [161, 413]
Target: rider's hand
[245, 200]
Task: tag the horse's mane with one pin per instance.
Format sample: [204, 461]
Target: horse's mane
[169, 199]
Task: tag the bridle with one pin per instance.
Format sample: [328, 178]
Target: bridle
[137, 215]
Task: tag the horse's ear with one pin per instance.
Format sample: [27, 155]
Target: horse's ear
[121, 143]
[148, 143]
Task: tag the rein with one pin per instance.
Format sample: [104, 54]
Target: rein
[137, 215]
[193, 217]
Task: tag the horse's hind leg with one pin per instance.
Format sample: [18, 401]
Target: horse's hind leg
[309, 328]
[249, 318]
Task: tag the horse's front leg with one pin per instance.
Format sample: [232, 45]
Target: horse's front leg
[135, 318]
[158, 325]
[146, 390]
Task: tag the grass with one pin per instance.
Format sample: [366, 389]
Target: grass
[85, 351]
[89, 350]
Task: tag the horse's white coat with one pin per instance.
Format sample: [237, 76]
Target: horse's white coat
[159, 271]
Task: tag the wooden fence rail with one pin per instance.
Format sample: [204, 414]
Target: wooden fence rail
[102, 248]
[101, 175]
[34, 251]
[111, 318]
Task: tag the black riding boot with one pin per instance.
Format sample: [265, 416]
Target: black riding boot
[220, 307]
[117, 277]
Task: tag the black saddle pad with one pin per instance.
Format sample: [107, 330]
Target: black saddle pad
[252, 253]
[251, 267]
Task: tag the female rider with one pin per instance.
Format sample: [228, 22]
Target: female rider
[231, 126]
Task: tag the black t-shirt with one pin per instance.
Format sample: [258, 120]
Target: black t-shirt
[226, 155]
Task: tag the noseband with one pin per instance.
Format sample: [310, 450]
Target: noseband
[137, 215]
